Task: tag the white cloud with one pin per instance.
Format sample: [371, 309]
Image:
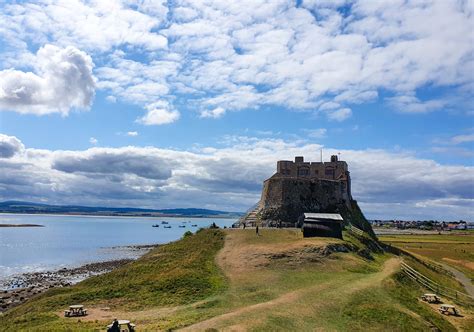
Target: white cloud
[340, 114]
[132, 133]
[230, 177]
[316, 133]
[459, 139]
[159, 116]
[62, 81]
[111, 99]
[258, 53]
[96, 25]
[93, 141]
[411, 104]
[215, 113]
[9, 146]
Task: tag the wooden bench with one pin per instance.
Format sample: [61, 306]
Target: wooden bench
[75, 311]
[448, 309]
[124, 323]
[431, 298]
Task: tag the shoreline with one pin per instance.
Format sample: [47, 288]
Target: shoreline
[113, 216]
[20, 288]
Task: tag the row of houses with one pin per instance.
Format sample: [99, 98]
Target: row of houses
[424, 224]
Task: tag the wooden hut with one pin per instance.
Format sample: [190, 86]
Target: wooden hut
[321, 224]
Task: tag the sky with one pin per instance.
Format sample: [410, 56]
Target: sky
[164, 104]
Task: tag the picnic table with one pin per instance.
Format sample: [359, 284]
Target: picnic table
[430, 298]
[124, 322]
[448, 309]
[75, 310]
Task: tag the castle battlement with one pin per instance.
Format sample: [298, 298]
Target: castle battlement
[336, 170]
[332, 170]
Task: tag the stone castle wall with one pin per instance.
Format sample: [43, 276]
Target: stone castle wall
[284, 199]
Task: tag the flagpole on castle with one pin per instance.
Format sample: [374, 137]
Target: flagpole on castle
[321, 150]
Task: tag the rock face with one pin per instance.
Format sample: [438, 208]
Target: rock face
[284, 199]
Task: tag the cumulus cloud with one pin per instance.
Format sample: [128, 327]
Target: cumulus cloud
[411, 104]
[159, 116]
[314, 56]
[9, 146]
[387, 184]
[99, 25]
[215, 113]
[132, 133]
[93, 140]
[340, 115]
[114, 162]
[62, 80]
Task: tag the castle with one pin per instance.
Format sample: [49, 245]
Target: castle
[335, 170]
[300, 187]
[310, 189]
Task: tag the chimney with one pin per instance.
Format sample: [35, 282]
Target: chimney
[299, 159]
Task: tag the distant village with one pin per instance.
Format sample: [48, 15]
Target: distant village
[424, 224]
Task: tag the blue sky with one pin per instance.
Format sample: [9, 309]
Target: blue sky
[180, 103]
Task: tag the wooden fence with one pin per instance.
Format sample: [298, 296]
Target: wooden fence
[457, 296]
[426, 282]
[429, 264]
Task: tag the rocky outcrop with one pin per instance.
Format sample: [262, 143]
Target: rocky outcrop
[284, 199]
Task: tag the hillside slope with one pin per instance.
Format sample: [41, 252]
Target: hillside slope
[236, 280]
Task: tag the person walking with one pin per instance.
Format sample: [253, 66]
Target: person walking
[256, 231]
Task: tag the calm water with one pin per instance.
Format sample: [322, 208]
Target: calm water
[75, 240]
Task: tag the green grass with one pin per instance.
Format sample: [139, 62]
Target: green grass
[178, 273]
[392, 306]
[455, 249]
[339, 292]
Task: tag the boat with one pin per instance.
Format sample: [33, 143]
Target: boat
[155, 225]
[164, 222]
[182, 226]
[194, 225]
[167, 226]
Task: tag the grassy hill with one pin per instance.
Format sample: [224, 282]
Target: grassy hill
[233, 279]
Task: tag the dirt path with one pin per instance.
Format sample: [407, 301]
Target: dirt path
[237, 258]
[390, 266]
[461, 277]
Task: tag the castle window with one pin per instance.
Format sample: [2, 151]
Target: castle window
[303, 171]
[329, 172]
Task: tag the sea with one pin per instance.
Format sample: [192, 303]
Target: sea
[72, 241]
